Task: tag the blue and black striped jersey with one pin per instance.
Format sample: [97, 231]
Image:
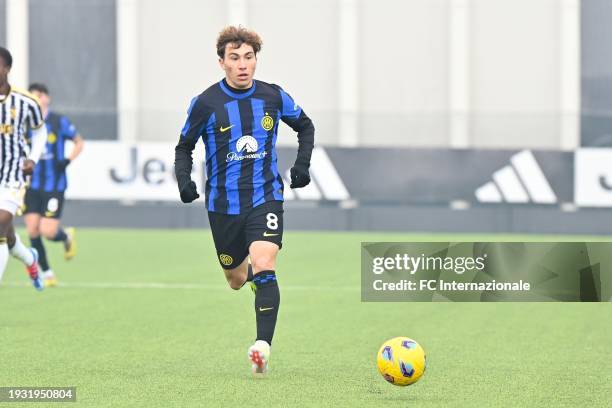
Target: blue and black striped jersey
[239, 131]
[49, 175]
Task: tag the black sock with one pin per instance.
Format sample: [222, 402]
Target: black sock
[60, 236]
[42, 253]
[267, 300]
[249, 275]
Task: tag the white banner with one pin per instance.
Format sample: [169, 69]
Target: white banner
[593, 177]
[123, 171]
[144, 171]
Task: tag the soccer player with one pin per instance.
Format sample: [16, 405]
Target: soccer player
[18, 111]
[44, 199]
[237, 119]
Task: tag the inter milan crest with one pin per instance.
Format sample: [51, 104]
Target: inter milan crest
[225, 259]
[267, 122]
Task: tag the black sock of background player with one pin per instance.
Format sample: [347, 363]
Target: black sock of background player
[42, 253]
[60, 236]
[249, 275]
[267, 300]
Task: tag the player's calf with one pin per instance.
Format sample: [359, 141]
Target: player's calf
[267, 301]
[237, 277]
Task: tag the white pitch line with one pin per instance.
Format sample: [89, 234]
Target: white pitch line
[188, 286]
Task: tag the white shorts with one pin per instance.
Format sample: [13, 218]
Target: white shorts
[11, 199]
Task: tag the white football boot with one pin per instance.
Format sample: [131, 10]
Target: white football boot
[259, 354]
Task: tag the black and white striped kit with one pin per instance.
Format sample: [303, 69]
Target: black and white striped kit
[19, 111]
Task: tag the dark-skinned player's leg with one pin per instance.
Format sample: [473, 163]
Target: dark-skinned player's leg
[32, 222]
[28, 256]
[11, 243]
[5, 222]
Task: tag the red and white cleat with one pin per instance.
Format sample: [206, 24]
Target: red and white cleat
[259, 354]
[33, 272]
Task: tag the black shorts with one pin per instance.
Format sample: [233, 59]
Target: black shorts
[48, 205]
[233, 234]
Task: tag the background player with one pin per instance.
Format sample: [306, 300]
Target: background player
[44, 199]
[18, 111]
[238, 120]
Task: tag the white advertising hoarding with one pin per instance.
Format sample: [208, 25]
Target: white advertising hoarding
[593, 177]
[108, 170]
[123, 171]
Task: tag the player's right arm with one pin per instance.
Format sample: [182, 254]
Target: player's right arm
[38, 138]
[183, 161]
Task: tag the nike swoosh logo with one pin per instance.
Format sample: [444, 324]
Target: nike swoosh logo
[267, 234]
[263, 309]
[222, 129]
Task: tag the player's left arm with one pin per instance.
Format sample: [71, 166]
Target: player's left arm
[71, 133]
[38, 138]
[297, 119]
[79, 143]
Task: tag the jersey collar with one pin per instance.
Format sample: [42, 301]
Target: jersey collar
[238, 95]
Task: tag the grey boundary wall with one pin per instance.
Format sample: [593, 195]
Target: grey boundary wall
[530, 219]
[66, 36]
[596, 72]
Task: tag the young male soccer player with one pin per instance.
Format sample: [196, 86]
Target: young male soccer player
[18, 111]
[238, 120]
[44, 199]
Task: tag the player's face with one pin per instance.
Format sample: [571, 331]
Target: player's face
[239, 65]
[4, 71]
[43, 98]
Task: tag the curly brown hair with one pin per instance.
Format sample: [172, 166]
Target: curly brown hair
[237, 36]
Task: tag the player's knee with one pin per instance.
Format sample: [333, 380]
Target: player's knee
[235, 284]
[33, 231]
[48, 232]
[263, 263]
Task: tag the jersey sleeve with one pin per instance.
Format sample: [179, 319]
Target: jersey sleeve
[296, 118]
[35, 117]
[290, 110]
[67, 128]
[197, 115]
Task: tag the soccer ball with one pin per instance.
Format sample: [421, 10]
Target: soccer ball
[401, 361]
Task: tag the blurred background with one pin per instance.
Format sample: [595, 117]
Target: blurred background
[431, 115]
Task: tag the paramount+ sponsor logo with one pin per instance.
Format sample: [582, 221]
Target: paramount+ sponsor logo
[246, 148]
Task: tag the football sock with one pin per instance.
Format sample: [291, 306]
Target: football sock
[42, 253]
[250, 274]
[4, 255]
[60, 236]
[22, 252]
[267, 300]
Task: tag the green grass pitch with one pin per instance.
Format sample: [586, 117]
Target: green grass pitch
[145, 319]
